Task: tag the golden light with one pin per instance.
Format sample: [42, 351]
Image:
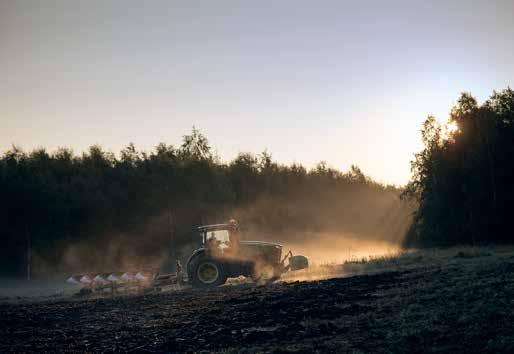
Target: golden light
[451, 127]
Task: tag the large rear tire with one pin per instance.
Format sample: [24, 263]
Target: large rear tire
[206, 273]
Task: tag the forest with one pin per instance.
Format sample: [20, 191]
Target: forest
[463, 178]
[62, 212]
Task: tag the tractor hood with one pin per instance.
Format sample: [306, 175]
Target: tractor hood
[260, 244]
[269, 251]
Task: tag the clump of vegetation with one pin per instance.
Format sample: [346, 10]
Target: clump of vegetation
[472, 253]
[389, 261]
[463, 177]
[422, 258]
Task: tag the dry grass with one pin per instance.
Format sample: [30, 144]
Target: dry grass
[402, 260]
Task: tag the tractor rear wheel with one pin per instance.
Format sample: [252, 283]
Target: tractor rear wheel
[207, 273]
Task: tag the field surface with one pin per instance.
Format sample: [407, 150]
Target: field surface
[462, 303]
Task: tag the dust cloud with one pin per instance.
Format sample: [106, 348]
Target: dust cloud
[328, 254]
[323, 249]
[102, 254]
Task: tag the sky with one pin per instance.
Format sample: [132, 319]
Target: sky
[346, 82]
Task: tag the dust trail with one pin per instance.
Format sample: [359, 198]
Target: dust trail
[102, 254]
[326, 248]
[327, 254]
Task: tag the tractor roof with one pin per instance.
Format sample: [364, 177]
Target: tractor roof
[215, 227]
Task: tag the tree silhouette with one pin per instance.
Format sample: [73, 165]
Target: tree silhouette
[463, 181]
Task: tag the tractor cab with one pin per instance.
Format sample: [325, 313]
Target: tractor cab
[220, 238]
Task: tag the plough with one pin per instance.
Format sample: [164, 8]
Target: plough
[127, 282]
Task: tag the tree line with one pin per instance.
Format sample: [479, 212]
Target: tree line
[61, 212]
[463, 179]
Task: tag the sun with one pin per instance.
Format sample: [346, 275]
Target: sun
[451, 127]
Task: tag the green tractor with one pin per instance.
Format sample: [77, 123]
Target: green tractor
[223, 255]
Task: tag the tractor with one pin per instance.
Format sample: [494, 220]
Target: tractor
[223, 255]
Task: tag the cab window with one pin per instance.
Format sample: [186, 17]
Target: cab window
[222, 236]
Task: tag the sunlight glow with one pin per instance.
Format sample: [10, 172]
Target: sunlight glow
[451, 127]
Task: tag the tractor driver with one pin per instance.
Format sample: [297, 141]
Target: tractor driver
[213, 245]
[233, 236]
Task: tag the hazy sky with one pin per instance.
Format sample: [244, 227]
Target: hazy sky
[348, 82]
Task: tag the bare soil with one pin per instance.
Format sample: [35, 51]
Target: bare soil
[464, 306]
